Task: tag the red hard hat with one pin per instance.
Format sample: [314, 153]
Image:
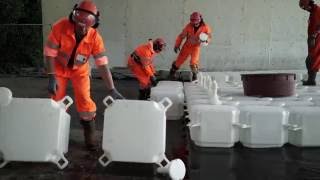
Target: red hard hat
[159, 44]
[86, 13]
[195, 18]
[89, 6]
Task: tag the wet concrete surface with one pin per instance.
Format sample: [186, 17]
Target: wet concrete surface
[237, 163]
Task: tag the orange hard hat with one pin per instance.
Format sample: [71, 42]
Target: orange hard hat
[195, 18]
[86, 14]
[159, 44]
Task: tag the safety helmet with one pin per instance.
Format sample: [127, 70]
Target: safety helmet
[306, 4]
[85, 14]
[195, 18]
[159, 44]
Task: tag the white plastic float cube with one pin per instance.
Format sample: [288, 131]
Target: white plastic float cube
[214, 125]
[33, 129]
[170, 84]
[263, 126]
[135, 131]
[303, 126]
[176, 95]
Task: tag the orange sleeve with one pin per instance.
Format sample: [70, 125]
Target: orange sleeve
[181, 36]
[53, 41]
[98, 51]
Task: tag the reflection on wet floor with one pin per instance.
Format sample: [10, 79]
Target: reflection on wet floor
[241, 163]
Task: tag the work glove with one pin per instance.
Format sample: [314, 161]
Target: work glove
[312, 41]
[153, 81]
[176, 49]
[114, 93]
[52, 85]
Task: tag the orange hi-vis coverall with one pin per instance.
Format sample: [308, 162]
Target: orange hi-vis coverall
[144, 68]
[60, 45]
[192, 43]
[314, 30]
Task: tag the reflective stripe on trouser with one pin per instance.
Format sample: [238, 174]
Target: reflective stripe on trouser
[81, 88]
[143, 78]
[194, 52]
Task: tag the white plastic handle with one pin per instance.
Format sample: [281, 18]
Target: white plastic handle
[4, 163]
[106, 99]
[242, 126]
[169, 103]
[165, 159]
[69, 99]
[292, 127]
[104, 164]
[64, 164]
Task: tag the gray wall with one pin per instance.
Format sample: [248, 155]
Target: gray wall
[247, 34]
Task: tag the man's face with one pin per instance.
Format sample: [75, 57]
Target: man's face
[305, 4]
[83, 21]
[195, 21]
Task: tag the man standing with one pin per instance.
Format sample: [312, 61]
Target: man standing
[140, 62]
[191, 47]
[70, 44]
[313, 58]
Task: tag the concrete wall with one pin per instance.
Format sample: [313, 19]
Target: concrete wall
[248, 34]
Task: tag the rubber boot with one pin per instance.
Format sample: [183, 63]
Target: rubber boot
[194, 70]
[194, 76]
[148, 93]
[311, 79]
[173, 70]
[142, 94]
[311, 74]
[89, 132]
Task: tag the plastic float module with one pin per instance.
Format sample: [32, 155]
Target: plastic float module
[135, 131]
[303, 126]
[176, 95]
[33, 129]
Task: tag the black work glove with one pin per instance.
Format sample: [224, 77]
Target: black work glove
[114, 93]
[153, 81]
[176, 49]
[52, 85]
[312, 41]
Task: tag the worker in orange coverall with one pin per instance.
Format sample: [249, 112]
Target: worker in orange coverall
[191, 47]
[70, 43]
[140, 62]
[313, 58]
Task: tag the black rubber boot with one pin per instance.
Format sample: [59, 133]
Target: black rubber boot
[194, 69]
[311, 74]
[194, 76]
[142, 94]
[173, 70]
[311, 79]
[148, 93]
[89, 132]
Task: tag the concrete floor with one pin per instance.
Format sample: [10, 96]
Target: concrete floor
[238, 163]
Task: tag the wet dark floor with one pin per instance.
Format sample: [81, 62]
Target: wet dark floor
[237, 163]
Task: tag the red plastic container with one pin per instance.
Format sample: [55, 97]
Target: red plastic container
[269, 85]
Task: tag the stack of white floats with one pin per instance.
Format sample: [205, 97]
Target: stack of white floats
[138, 135]
[33, 129]
[220, 121]
[174, 91]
